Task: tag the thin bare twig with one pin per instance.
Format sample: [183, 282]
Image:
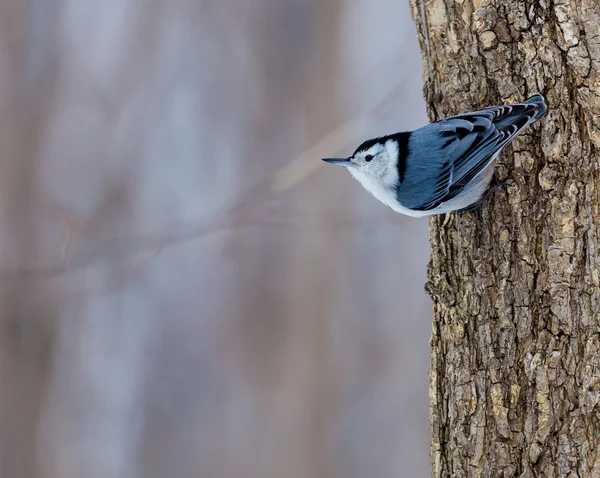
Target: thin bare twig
[282, 180]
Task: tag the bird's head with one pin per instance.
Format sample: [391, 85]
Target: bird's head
[374, 158]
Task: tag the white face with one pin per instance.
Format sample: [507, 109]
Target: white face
[376, 168]
[379, 163]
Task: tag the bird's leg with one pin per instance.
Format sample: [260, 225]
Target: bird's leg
[494, 184]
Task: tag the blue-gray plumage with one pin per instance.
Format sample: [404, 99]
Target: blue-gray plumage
[443, 166]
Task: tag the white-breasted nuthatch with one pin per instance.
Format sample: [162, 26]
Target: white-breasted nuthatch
[443, 166]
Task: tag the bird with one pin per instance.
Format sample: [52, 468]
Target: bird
[443, 166]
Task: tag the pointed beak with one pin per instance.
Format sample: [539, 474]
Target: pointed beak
[338, 161]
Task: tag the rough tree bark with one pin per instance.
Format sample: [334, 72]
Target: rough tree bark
[515, 371]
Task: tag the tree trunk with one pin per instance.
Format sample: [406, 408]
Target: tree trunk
[515, 364]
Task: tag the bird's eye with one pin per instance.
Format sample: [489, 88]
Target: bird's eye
[369, 158]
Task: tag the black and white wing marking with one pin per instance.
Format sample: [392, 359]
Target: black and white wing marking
[471, 141]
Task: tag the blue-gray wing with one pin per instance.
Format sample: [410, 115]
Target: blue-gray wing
[453, 151]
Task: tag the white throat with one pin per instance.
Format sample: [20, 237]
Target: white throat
[381, 182]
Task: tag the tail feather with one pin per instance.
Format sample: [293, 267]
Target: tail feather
[538, 100]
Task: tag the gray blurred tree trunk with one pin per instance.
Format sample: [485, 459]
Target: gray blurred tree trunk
[515, 371]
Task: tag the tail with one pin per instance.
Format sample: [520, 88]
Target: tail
[538, 100]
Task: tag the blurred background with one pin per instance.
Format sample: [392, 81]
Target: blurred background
[186, 290]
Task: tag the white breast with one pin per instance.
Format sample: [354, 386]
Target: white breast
[383, 188]
[386, 194]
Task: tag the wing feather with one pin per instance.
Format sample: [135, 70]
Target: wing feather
[468, 143]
